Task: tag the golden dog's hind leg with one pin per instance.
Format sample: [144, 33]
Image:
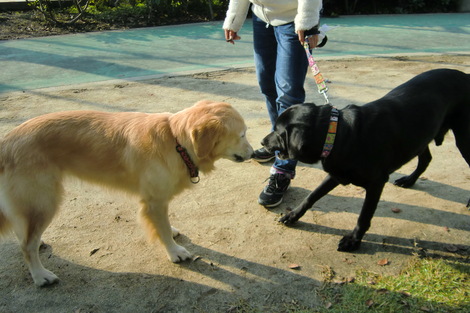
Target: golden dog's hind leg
[30, 247]
[154, 215]
[31, 205]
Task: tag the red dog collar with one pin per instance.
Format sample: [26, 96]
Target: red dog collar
[193, 170]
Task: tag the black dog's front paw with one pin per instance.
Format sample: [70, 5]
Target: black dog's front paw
[348, 244]
[289, 218]
[405, 182]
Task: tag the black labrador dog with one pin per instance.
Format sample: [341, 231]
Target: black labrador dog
[374, 140]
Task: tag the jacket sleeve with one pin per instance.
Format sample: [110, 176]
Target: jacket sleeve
[236, 14]
[308, 14]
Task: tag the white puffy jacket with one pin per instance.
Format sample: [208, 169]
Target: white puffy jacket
[304, 13]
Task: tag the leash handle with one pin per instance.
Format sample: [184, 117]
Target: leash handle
[319, 80]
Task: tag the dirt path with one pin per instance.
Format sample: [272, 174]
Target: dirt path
[97, 248]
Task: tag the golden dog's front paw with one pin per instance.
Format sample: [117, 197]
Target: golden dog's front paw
[179, 254]
[44, 278]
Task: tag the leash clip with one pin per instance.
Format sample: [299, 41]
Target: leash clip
[325, 95]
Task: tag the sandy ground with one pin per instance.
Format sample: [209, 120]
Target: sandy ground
[97, 248]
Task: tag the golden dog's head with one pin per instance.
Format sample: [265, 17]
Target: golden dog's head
[215, 130]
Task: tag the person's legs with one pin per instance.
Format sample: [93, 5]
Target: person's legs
[265, 52]
[264, 43]
[291, 68]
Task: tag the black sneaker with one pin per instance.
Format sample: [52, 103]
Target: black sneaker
[273, 193]
[261, 155]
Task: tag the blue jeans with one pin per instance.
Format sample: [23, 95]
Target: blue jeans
[281, 67]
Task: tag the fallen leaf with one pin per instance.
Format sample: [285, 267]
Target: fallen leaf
[328, 305]
[382, 291]
[425, 309]
[446, 229]
[294, 266]
[369, 303]
[383, 262]
[396, 210]
[94, 251]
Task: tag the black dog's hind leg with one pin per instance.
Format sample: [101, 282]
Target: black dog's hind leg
[462, 140]
[424, 158]
[352, 241]
[328, 184]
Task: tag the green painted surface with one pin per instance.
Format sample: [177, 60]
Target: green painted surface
[29, 64]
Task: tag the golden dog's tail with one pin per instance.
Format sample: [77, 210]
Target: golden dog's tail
[5, 225]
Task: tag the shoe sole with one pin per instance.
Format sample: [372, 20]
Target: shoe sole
[264, 160]
[271, 205]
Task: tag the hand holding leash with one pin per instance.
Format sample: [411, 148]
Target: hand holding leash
[312, 39]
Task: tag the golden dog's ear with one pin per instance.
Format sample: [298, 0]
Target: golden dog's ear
[205, 136]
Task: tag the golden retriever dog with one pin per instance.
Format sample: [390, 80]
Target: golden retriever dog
[154, 156]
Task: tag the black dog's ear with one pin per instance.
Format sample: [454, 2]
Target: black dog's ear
[273, 142]
[294, 142]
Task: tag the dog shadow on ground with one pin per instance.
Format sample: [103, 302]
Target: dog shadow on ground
[214, 285]
[238, 283]
[412, 213]
[437, 189]
[372, 243]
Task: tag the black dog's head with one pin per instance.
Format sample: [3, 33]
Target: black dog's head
[279, 140]
[298, 133]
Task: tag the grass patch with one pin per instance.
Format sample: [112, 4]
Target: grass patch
[426, 285]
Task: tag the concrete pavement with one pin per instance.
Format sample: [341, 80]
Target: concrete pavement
[144, 53]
